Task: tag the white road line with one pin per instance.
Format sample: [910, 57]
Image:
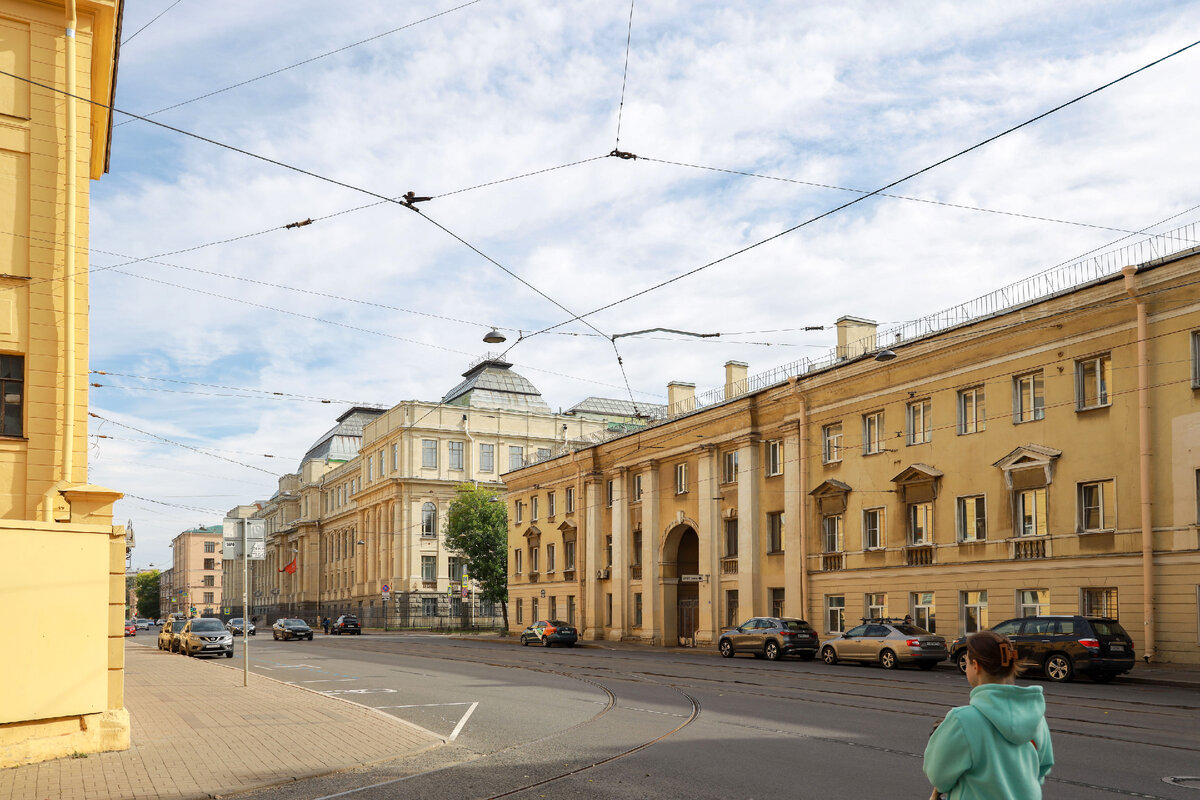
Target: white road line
[423, 705]
[358, 691]
[327, 680]
[463, 721]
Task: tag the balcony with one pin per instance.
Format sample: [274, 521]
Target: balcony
[918, 555]
[833, 561]
[729, 566]
[1029, 548]
[635, 572]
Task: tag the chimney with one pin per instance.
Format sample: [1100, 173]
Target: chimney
[681, 398]
[735, 378]
[855, 336]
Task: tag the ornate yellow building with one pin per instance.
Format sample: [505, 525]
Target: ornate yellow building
[1034, 451]
[62, 557]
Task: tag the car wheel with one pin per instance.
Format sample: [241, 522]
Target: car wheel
[545, 642]
[771, 651]
[523, 642]
[358, 633]
[829, 655]
[887, 659]
[229, 653]
[1102, 677]
[961, 661]
[275, 635]
[726, 648]
[1059, 668]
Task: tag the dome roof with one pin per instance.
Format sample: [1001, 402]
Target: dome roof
[491, 383]
[340, 443]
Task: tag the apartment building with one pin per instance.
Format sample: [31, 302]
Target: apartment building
[196, 571]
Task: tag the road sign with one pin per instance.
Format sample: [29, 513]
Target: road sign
[691, 578]
[258, 551]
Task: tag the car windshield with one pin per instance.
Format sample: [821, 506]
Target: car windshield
[349, 619]
[1107, 628]
[796, 625]
[558, 623]
[911, 630]
[295, 623]
[237, 621]
[207, 625]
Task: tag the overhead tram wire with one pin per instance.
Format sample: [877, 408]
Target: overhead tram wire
[624, 77]
[876, 192]
[151, 22]
[292, 66]
[199, 450]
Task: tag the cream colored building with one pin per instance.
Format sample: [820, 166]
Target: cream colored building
[1034, 451]
[196, 568]
[63, 558]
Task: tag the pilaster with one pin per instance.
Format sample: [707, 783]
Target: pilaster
[709, 520]
[750, 548]
[620, 557]
[593, 537]
[652, 607]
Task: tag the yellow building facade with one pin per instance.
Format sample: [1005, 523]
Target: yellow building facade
[1036, 451]
[63, 558]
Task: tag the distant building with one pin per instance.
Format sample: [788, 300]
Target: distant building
[196, 572]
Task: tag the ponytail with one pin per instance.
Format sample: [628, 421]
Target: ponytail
[992, 653]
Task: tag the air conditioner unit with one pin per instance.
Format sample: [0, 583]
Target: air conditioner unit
[601, 574]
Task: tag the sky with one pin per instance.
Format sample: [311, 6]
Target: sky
[230, 342]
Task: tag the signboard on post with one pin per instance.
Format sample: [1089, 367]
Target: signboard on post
[691, 578]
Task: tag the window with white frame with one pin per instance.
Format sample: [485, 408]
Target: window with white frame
[487, 457]
[776, 596]
[637, 488]
[533, 508]
[681, 479]
[429, 568]
[1099, 602]
[972, 518]
[533, 559]
[876, 603]
[920, 523]
[923, 611]
[1093, 377]
[1030, 512]
[1029, 399]
[873, 528]
[428, 519]
[774, 458]
[517, 562]
[872, 433]
[533, 609]
[382, 462]
[429, 453]
[835, 613]
[919, 421]
[570, 492]
[516, 457]
[971, 417]
[831, 442]
[1196, 359]
[553, 614]
[520, 609]
[831, 533]
[1096, 506]
[551, 504]
[1033, 602]
[729, 472]
[608, 550]
[731, 538]
[568, 555]
[455, 454]
[518, 511]
[370, 470]
[775, 532]
[635, 552]
[974, 605]
[395, 456]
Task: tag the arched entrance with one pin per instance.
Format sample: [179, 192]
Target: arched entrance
[681, 597]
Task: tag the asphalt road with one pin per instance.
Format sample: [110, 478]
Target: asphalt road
[608, 722]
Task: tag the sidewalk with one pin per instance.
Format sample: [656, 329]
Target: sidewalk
[198, 733]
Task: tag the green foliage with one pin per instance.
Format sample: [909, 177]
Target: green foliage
[146, 587]
[477, 528]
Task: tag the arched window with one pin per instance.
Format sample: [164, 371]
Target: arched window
[429, 520]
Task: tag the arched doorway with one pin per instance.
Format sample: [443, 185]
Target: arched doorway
[681, 597]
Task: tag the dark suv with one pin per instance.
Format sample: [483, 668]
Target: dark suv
[770, 638]
[347, 623]
[1060, 646]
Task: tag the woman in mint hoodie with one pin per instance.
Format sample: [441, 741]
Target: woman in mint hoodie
[998, 747]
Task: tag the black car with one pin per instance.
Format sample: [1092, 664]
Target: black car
[237, 626]
[770, 638]
[1061, 646]
[291, 629]
[347, 623]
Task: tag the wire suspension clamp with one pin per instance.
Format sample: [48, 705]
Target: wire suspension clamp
[622, 154]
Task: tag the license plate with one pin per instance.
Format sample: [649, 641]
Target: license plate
[212, 646]
[1116, 647]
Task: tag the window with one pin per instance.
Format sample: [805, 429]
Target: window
[835, 613]
[971, 418]
[568, 555]
[429, 568]
[637, 488]
[831, 533]
[831, 442]
[775, 532]
[210, 580]
[1099, 603]
[395, 457]
[776, 596]
[681, 484]
[570, 499]
[533, 609]
[635, 551]
[731, 607]
[429, 606]
[872, 433]
[520, 610]
[637, 609]
[1033, 602]
[608, 494]
[429, 453]
[1031, 512]
[210, 547]
[370, 468]
[12, 395]
[517, 563]
[920, 523]
[543, 453]
[210, 563]
[873, 530]
[533, 560]
[516, 457]
[1196, 359]
[518, 511]
[974, 611]
[550, 504]
[553, 607]
[1096, 506]
[487, 457]
[1029, 401]
[428, 519]
[1093, 376]
[972, 519]
[729, 473]
[456, 569]
[731, 538]
[533, 508]
[876, 605]
[550, 565]
[919, 417]
[570, 609]
[608, 610]
[209, 597]
[455, 454]
[923, 611]
[608, 550]
[774, 458]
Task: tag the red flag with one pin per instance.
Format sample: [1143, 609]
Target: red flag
[290, 569]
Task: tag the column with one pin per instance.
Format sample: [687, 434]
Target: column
[709, 520]
[619, 585]
[751, 599]
[793, 511]
[652, 607]
[593, 543]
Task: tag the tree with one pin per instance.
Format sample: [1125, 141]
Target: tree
[146, 588]
[477, 528]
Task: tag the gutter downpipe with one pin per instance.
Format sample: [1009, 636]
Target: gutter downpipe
[69, 233]
[1144, 474]
[803, 424]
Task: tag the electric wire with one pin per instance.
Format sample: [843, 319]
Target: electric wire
[624, 76]
[151, 22]
[178, 444]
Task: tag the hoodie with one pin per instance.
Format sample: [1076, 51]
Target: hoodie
[996, 748]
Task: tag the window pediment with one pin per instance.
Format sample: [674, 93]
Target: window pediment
[532, 534]
[918, 483]
[831, 496]
[1029, 466]
[568, 531]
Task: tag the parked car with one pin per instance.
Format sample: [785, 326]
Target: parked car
[236, 624]
[158, 623]
[770, 638]
[888, 642]
[291, 629]
[168, 637]
[548, 632]
[142, 624]
[130, 628]
[205, 636]
[347, 623]
[1060, 646]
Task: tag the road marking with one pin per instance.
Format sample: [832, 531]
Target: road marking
[326, 680]
[358, 691]
[463, 721]
[423, 705]
[293, 666]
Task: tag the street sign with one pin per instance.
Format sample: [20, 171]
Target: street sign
[691, 578]
[258, 551]
[232, 551]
